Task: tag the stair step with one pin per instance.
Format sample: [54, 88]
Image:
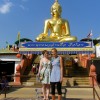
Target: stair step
[82, 80]
[33, 84]
[81, 83]
[32, 78]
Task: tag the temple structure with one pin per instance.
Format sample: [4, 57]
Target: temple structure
[59, 38]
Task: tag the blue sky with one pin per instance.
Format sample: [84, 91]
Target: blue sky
[28, 16]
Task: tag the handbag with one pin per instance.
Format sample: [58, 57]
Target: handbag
[41, 76]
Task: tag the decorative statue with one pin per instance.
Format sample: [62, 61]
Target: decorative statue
[58, 27]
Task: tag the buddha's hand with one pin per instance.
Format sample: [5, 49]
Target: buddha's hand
[43, 35]
[54, 35]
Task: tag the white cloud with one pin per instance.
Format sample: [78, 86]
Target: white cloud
[5, 8]
[21, 6]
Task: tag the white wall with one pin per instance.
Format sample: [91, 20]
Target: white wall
[98, 51]
[11, 58]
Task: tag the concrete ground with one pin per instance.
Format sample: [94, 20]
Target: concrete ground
[29, 93]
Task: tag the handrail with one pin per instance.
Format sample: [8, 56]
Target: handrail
[94, 90]
[96, 82]
[96, 94]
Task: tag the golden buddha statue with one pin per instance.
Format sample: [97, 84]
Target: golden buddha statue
[58, 27]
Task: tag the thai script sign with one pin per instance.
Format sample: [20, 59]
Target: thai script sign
[57, 44]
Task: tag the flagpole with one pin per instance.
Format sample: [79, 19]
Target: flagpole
[92, 38]
[19, 42]
[19, 38]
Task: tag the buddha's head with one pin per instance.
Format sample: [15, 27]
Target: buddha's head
[56, 9]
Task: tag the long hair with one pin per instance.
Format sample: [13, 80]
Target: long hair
[44, 51]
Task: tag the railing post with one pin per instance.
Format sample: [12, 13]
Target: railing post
[93, 74]
[5, 90]
[93, 87]
[17, 78]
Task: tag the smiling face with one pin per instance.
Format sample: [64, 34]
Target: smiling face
[54, 52]
[45, 53]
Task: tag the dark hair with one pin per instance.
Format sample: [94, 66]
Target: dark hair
[54, 49]
[44, 51]
[23, 57]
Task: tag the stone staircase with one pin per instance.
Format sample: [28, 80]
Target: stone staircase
[30, 78]
[69, 89]
[79, 77]
[81, 81]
